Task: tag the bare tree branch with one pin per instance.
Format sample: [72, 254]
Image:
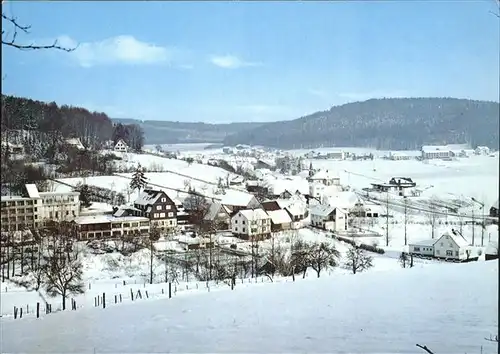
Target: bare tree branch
[26, 29]
[425, 348]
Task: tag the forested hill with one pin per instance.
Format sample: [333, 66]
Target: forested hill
[168, 132]
[48, 119]
[393, 123]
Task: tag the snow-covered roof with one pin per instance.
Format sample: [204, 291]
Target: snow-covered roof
[237, 198]
[324, 174]
[148, 196]
[214, 209]
[32, 191]
[322, 210]
[75, 142]
[255, 214]
[101, 219]
[424, 243]
[279, 216]
[457, 238]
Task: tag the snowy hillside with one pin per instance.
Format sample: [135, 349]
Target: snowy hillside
[361, 313]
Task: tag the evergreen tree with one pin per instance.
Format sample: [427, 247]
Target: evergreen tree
[85, 196]
[139, 180]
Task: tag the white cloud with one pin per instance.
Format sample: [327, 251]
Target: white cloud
[120, 49]
[231, 62]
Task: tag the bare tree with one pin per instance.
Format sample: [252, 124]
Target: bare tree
[425, 348]
[154, 235]
[387, 219]
[321, 256]
[403, 259]
[432, 217]
[9, 37]
[62, 270]
[357, 260]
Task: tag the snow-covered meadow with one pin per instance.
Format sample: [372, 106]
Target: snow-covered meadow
[450, 308]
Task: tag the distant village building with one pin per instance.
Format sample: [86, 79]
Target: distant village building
[121, 146]
[325, 177]
[494, 210]
[482, 150]
[75, 143]
[218, 215]
[280, 220]
[251, 224]
[329, 218]
[399, 185]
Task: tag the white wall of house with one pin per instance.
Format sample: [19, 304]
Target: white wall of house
[446, 247]
[242, 226]
[424, 250]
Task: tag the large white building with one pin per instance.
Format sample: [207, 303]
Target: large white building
[449, 246]
[34, 209]
[251, 224]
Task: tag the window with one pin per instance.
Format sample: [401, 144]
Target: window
[168, 207]
[451, 245]
[449, 253]
[441, 244]
[158, 207]
[456, 253]
[416, 249]
[170, 214]
[162, 215]
[155, 215]
[243, 229]
[243, 222]
[235, 221]
[163, 200]
[236, 229]
[437, 252]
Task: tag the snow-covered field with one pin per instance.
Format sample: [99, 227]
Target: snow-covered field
[449, 308]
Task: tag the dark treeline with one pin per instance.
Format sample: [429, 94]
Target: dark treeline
[48, 133]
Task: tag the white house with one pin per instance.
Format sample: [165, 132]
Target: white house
[436, 152]
[325, 177]
[316, 189]
[121, 146]
[451, 245]
[482, 150]
[329, 218]
[250, 224]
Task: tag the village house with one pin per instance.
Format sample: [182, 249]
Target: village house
[15, 151]
[400, 156]
[364, 210]
[218, 215]
[251, 224]
[329, 218]
[494, 210]
[75, 143]
[399, 185]
[34, 208]
[157, 206]
[336, 155]
[236, 201]
[280, 220]
[451, 245]
[482, 150]
[109, 226]
[435, 152]
[193, 242]
[121, 146]
[325, 177]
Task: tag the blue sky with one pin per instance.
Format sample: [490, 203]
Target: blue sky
[251, 61]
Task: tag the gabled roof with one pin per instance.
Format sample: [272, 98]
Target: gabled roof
[457, 238]
[32, 191]
[237, 198]
[279, 216]
[122, 142]
[322, 210]
[323, 174]
[149, 196]
[214, 209]
[429, 243]
[255, 214]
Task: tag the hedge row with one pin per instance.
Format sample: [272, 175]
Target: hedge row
[364, 246]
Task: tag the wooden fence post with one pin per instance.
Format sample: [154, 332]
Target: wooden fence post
[103, 300]
[131, 294]
[120, 297]
[15, 312]
[147, 296]
[116, 299]
[169, 290]
[37, 310]
[20, 312]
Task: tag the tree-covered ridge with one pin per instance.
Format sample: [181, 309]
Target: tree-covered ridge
[393, 123]
[24, 114]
